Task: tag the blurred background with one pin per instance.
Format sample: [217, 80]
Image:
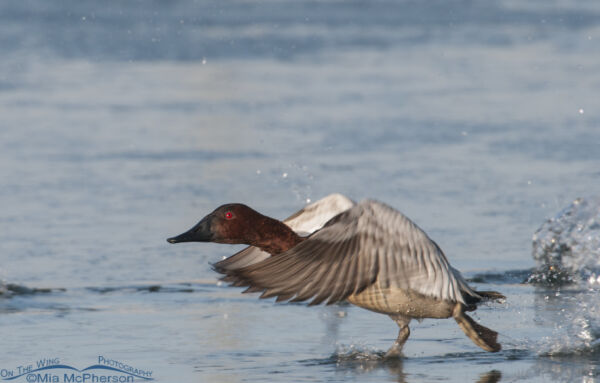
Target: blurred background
[123, 123]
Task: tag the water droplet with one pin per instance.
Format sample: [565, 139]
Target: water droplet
[258, 171]
[284, 175]
[203, 61]
[581, 111]
[308, 200]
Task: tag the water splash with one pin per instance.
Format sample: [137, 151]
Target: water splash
[566, 249]
[568, 321]
[359, 359]
[567, 246]
[356, 353]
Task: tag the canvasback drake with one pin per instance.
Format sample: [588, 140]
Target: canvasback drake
[335, 249]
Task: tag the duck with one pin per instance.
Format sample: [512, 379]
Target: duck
[334, 249]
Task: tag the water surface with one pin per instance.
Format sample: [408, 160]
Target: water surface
[123, 124]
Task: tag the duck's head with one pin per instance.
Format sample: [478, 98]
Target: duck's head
[232, 223]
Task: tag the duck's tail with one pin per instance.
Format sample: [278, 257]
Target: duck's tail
[480, 335]
[472, 297]
[478, 297]
[491, 296]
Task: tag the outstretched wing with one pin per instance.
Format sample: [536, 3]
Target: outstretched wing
[367, 243]
[304, 222]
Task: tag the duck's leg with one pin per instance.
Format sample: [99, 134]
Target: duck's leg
[482, 336]
[396, 349]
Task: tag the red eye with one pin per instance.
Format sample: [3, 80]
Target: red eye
[228, 215]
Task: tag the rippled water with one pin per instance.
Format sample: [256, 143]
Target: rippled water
[123, 124]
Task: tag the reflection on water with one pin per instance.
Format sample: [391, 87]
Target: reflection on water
[362, 363]
[492, 376]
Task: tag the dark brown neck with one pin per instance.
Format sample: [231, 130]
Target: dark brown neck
[274, 236]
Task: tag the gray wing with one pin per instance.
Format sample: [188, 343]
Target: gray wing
[304, 222]
[367, 243]
[245, 257]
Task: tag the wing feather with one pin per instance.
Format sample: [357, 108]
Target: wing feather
[339, 286]
[367, 243]
[324, 286]
[242, 258]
